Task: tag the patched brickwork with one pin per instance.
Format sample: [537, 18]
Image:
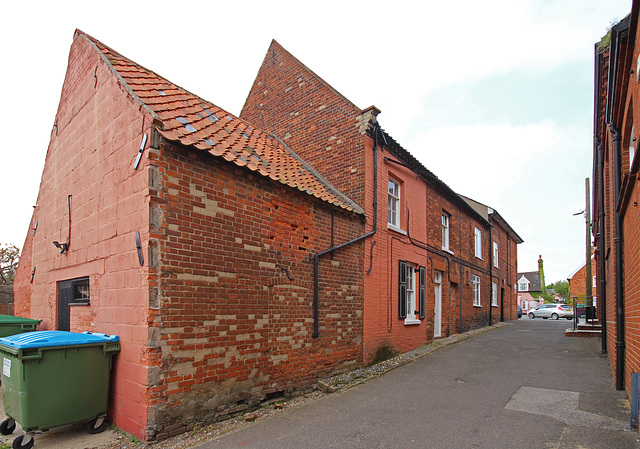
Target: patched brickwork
[235, 289]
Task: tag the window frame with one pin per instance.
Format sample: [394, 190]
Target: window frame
[446, 228]
[75, 285]
[411, 292]
[496, 254]
[477, 242]
[394, 199]
[494, 294]
[475, 282]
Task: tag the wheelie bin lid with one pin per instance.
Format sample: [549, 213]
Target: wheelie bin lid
[10, 319]
[41, 339]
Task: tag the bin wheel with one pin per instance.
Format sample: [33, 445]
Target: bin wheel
[17, 443]
[97, 425]
[7, 426]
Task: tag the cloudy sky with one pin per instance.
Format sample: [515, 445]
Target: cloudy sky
[494, 96]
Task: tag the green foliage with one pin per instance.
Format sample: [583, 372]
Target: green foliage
[547, 297]
[605, 42]
[9, 255]
[561, 288]
[5, 446]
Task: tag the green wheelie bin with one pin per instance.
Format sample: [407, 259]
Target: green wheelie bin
[11, 325]
[55, 378]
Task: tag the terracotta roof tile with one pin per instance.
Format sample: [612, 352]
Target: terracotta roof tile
[192, 121]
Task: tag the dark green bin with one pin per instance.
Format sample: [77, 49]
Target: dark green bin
[54, 378]
[11, 325]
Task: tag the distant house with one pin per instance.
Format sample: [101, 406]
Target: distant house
[577, 282]
[529, 281]
[527, 302]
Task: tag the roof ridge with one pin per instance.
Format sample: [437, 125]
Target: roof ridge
[314, 74]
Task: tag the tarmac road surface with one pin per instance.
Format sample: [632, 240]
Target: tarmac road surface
[521, 386]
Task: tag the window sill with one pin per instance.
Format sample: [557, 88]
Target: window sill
[396, 229]
[447, 250]
[78, 303]
[411, 321]
[478, 306]
[478, 257]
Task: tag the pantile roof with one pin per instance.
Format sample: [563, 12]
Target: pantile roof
[183, 117]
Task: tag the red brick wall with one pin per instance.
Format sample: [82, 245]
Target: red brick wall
[94, 141]
[328, 131]
[234, 291]
[420, 243]
[625, 115]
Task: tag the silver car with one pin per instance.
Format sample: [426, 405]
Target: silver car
[553, 311]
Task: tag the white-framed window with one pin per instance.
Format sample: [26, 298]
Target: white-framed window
[394, 204]
[445, 231]
[496, 254]
[594, 282]
[475, 282]
[411, 292]
[523, 284]
[494, 294]
[477, 239]
[411, 300]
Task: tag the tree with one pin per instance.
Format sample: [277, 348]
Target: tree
[561, 288]
[9, 255]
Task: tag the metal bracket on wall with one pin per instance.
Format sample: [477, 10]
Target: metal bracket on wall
[139, 248]
[140, 151]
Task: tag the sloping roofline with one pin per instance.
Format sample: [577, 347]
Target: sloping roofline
[183, 117]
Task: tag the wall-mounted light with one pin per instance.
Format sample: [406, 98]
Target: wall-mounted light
[61, 246]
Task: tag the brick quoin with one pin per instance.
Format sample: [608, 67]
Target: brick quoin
[88, 172]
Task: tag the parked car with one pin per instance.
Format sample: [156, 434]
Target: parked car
[519, 312]
[553, 311]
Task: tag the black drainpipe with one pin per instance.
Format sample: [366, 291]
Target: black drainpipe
[602, 290]
[316, 258]
[620, 343]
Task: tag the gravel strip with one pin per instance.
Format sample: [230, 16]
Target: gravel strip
[202, 433]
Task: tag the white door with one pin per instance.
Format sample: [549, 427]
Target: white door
[437, 320]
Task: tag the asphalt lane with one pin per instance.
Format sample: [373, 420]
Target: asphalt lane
[521, 386]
